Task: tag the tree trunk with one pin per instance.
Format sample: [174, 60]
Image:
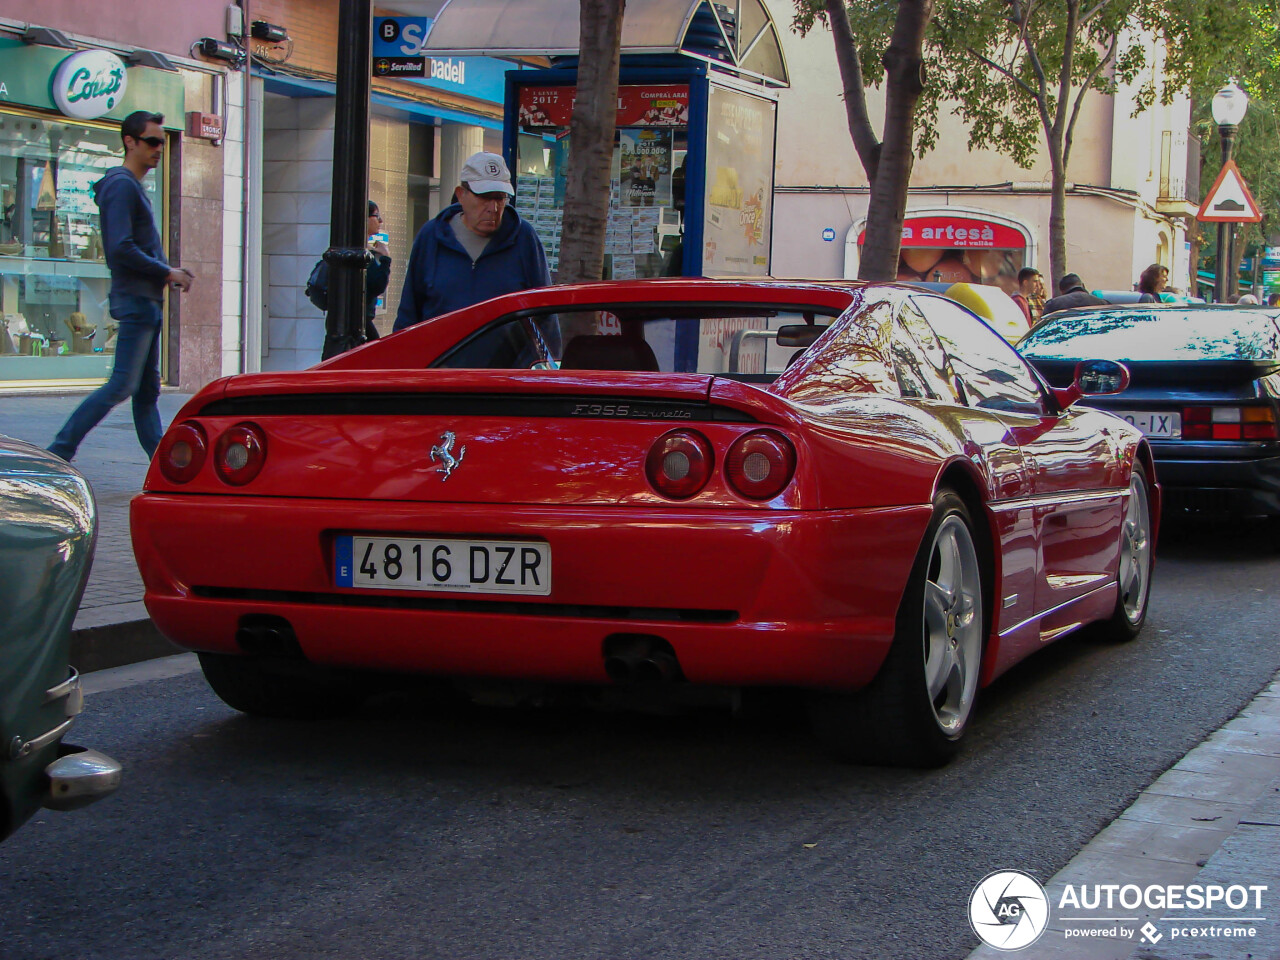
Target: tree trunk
[905, 82]
[887, 163]
[1057, 217]
[887, 207]
[595, 115]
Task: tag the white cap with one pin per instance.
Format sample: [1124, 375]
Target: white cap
[487, 173]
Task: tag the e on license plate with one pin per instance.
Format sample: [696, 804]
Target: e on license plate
[455, 566]
[1153, 424]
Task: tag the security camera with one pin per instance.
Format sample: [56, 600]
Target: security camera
[220, 50]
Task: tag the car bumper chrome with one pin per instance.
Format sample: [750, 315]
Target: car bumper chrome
[79, 776]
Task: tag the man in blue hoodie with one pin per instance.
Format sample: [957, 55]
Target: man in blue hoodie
[474, 249]
[139, 274]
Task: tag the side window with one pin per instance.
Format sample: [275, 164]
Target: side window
[993, 375]
[918, 358]
[515, 344]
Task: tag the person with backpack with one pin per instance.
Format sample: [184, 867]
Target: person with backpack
[376, 275]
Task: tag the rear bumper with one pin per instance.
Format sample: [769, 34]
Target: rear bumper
[1204, 487]
[744, 598]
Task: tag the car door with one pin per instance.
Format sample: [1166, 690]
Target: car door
[1074, 502]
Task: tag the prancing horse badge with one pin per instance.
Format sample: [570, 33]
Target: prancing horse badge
[443, 452]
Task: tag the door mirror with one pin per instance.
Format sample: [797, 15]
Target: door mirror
[1093, 378]
[1097, 378]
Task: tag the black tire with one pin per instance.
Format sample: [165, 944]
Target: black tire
[896, 720]
[1136, 565]
[286, 690]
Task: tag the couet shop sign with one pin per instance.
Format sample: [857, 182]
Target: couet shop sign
[89, 84]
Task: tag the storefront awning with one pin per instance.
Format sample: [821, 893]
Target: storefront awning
[738, 35]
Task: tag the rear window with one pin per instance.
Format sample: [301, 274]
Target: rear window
[738, 339]
[1157, 335]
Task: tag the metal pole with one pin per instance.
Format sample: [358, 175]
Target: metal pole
[347, 255]
[1227, 137]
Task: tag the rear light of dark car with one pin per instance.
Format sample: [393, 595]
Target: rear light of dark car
[760, 464]
[679, 464]
[182, 452]
[240, 453]
[1229, 423]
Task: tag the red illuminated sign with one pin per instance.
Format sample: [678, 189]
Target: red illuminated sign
[638, 106]
[957, 232]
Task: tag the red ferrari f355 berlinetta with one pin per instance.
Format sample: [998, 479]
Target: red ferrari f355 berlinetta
[856, 491]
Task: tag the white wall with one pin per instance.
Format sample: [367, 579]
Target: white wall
[296, 181]
[232, 221]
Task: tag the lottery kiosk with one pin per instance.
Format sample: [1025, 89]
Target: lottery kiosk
[691, 190]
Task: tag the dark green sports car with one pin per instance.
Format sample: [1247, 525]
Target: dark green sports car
[48, 524]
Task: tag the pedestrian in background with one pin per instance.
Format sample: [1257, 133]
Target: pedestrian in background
[1152, 283]
[476, 248]
[139, 274]
[376, 274]
[1072, 293]
[1030, 290]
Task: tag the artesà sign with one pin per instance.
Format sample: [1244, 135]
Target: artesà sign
[89, 84]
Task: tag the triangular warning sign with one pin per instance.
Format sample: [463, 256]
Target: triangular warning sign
[1229, 199]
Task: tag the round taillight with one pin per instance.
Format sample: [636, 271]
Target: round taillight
[679, 464]
[240, 453]
[182, 452]
[760, 464]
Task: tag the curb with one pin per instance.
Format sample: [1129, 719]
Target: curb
[108, 645]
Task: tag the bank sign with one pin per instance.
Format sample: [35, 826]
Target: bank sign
[398, 51]
[89, 84]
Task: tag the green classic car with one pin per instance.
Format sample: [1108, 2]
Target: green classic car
[48, 525]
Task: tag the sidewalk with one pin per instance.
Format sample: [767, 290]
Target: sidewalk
[1213, 819]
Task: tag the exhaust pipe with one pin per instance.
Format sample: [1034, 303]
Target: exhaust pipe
[622, 655]
[641, 660]
[267, 636]
[657, 668]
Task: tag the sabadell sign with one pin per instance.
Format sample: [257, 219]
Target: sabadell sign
[89, 84]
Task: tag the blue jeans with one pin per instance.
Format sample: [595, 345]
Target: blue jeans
[136, 374]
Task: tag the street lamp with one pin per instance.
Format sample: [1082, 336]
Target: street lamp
[1228, 105]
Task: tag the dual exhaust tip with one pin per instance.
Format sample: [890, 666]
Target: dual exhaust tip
[640, 660]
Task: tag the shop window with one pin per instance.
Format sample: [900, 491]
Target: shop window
[54, 279]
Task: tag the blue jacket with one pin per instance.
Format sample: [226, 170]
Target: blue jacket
[135, 255]
[441, 277]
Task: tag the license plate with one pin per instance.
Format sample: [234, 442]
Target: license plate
[452, 566]
[1168, 425]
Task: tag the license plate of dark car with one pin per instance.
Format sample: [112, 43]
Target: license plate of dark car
[1154, 424]
[448, 566]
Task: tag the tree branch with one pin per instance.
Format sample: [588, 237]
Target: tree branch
[1002, 69]
[1084, 89]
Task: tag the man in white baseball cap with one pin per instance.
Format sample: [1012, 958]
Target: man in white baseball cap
[476, 248]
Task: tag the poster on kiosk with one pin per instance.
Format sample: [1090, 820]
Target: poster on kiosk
[691, 183]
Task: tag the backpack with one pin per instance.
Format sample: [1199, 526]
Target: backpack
[317, 289]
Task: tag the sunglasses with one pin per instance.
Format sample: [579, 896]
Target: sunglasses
[151, 141]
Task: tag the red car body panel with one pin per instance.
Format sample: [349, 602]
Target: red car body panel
[800, 590]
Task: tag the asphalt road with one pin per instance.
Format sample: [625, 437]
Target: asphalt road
[406, 832]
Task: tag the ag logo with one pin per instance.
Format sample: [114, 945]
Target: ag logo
[1008, 910]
